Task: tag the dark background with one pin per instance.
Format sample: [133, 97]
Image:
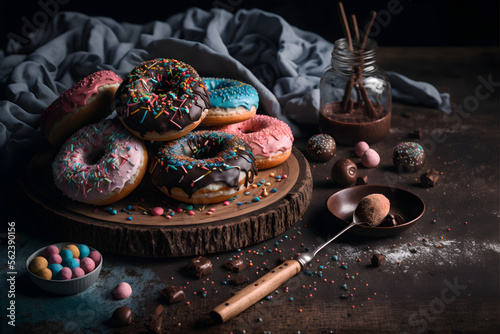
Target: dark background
[416, 23]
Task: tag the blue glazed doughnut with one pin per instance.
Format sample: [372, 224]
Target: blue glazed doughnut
[232, 101]
[203, 167]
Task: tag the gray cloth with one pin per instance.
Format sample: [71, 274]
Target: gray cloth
[282, 62]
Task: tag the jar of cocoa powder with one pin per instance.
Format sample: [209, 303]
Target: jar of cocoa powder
[355, 95]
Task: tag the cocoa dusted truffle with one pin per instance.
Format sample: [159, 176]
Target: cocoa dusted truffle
[373, 209]
[321, 147]
[408, 157]
[344, 172]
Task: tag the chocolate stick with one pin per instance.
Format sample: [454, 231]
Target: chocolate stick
[346, 100]
[368, 28]
[346, 26]
[371, 110]
[355, 25]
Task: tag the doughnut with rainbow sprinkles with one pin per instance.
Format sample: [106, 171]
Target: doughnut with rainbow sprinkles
[162, 99]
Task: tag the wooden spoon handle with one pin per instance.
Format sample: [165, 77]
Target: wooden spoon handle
[255, 291]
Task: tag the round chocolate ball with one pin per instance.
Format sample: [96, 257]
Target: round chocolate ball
[408, 157]
[321, 147]
[344, 172]
[122, 316]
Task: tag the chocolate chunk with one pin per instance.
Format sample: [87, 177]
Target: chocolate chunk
[416, 134]
[173, 294]
[235, 265]
[122, 316]
[378, 259]
[153, 324]
[429, 178]
[239, 279]
[199, 266]
[362, 180]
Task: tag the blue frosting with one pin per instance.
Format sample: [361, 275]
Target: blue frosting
[228, 93]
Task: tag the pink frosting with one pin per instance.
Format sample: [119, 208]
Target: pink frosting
[97, 160]
[76, 96]
[266, 135]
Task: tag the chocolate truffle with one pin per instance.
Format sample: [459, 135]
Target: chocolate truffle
[344, 172]
[122, 316]
[199, 266]
[408, 157]
[373, 209]
[321, 147]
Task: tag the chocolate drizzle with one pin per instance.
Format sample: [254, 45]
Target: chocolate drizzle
[201, 158]
[161, 95]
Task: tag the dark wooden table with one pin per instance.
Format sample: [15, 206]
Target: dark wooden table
[442, 275]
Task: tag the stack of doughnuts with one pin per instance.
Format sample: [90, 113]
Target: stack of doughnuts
[234, 106]
[103, 158]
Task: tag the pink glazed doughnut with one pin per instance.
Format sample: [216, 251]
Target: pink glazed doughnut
[100, 164]
[271, 140]
[88, 101]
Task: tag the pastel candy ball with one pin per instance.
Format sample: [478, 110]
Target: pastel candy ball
[38, 263]
[70, 263]
[64, 274]
[66, 254]
[54, 258]
[122, 291]
[87, 264]
[370, 158]
[78, 260]
[94, 255]
[157, 211]
[50, 250]
[55, 268]
[78, 272]
[361, 148]
[44, 273]
[84, 251]
[74, 250]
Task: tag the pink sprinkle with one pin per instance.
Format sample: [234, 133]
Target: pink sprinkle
[168, 216]
[179, 210]
[226, 203]
[212, 209]
[285, 176]
[191, 212]
[209, 213]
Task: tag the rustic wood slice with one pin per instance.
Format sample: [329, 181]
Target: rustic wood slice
[241, 222]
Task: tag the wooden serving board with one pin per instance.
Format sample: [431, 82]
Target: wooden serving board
[132, 230]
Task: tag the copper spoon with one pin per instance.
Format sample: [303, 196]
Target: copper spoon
[269, 282]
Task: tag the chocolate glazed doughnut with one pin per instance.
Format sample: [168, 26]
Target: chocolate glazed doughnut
[203, 167]
[162, 99]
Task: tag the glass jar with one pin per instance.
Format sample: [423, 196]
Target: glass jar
[355, 95]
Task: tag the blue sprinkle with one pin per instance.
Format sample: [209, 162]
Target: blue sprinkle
[256, 199]
[321, 267]
[262, 181]
[274, 190]
[172, 213]
[291, 298]
[278, 177]
[308, 272]
[224, 282]
[239, 203]
[335, 258]
[344, 286]
[129, 218]
[344, 266]
[268, 297]
[259, 184]
[269, 250]
[114, 212]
